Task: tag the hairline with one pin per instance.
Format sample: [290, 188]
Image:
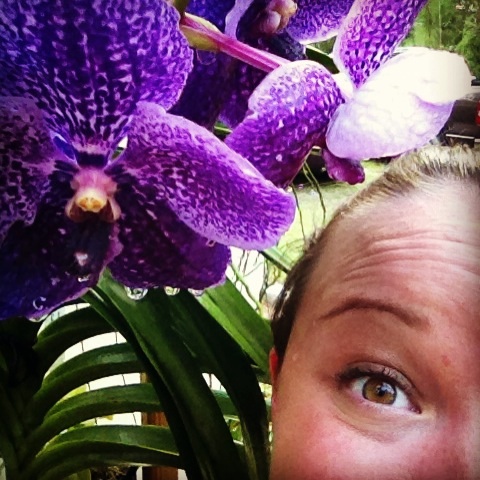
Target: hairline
[419, 171]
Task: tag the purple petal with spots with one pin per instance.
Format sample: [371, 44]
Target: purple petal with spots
[213, 190]
[289, 114]
[26, 161]
[243, 82]
[343, 169]
[87, 63]
[318, 20]
[245, 78]
[159, 249]
[52, 260]
[370, 34]
[402, 105]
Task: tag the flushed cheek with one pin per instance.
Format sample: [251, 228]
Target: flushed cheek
[328, 450]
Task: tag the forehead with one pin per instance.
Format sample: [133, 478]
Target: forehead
[422, 249]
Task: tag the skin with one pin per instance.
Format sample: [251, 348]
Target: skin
[395, 299]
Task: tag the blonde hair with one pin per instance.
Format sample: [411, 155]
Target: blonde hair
[420, 170]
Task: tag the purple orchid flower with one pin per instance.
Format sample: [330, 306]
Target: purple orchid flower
[219, 85]
[380, 106]
[76, 77]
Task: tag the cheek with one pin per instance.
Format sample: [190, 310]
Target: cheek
[313, 441]
[311, 446]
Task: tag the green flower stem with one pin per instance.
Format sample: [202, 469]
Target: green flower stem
[257, 58]
[239, 277]
[181, 5]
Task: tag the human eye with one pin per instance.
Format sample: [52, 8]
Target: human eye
[380, 385]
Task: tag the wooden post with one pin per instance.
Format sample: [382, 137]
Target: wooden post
[157, 473]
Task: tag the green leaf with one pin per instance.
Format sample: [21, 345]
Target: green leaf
[74, 410]
[79, 370]
[181, 5]
[102, 303]
[227, 305]
[320, 57]
[275, 256]
[103, 446]
[232, 367]
[8, 452]
[173, 365]
[66, 331]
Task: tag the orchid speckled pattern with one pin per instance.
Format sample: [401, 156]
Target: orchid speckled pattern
[185, 161]
[38, 267]
[293, 105]
[371, 32]
[26, 161]
[83, 75]
[316, 21]
[387, 109]
[87, 63]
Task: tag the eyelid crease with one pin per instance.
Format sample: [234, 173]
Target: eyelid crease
[407, 317]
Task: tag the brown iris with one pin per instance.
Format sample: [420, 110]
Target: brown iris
[379, 391]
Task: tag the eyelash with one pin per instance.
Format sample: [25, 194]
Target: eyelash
[382, 373]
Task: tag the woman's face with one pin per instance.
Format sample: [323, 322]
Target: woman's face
[381, 379]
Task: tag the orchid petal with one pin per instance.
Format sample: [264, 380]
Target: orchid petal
[318, 20]
[289, 114]
[206, 90]
[245, 78]
[370, 34]
[213, 190]
[159, 249]
[239, 11]
[343, 169]
[26, 161]
[242, 83]
[401, 106]
[212, 10]
[53, 260]
[89, 63]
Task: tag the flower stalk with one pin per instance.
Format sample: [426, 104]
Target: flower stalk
[207, 38]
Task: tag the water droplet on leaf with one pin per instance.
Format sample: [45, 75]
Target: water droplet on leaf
[39, 303]
[38, 319]
[172, 291]
[196, 293]
[136, 293]
[83, 278]
[211, 243]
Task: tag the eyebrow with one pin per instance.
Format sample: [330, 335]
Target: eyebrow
[406, 316]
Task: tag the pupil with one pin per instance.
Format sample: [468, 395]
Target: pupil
[379, 391]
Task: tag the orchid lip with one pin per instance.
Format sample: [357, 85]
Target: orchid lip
[94, 194]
